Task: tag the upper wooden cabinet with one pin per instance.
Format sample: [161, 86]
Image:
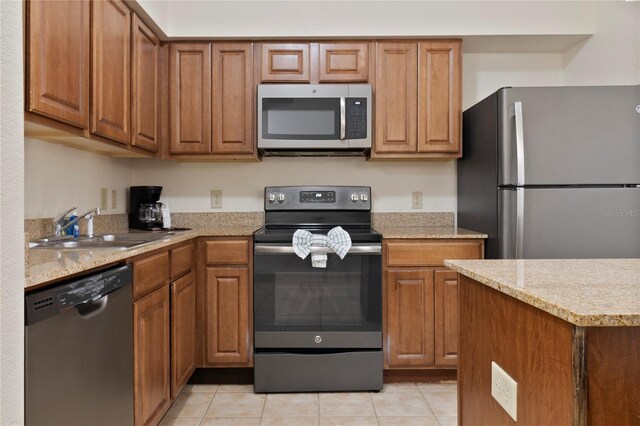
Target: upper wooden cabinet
[233, 99]
[418, 100]
[111, 70]
[58, 60]
[331, 62]
[396, 101]
[343, 62]
[439, 97]
[190, 98]
[144, 87]
[284, 62]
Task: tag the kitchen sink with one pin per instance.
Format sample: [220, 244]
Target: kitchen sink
[124, 241]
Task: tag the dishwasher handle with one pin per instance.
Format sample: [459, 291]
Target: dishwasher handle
[93, 308]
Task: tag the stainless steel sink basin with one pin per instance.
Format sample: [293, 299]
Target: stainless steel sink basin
[123, 241]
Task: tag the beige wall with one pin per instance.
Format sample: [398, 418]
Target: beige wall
[57, 178]
[612, 54]
[366, 18]
[11, 216]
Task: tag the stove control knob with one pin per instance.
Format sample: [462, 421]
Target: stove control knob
[364, 197]
[280, 197]
[354, 197]
[271, 198]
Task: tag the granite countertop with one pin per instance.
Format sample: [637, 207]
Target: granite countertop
[584, 292]
[46, 265]
[443, 232]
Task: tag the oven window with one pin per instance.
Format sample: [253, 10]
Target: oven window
[290, 295]
[301, 118]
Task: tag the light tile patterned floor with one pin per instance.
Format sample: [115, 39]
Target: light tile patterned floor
[398, 404]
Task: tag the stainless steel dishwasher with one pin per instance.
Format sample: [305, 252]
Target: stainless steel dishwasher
[79, 351]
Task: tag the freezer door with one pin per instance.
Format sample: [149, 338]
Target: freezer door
[562, 223]
[569, 135]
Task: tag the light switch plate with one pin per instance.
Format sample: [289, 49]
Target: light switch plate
[216, 198]
[114, 198]
[416, 200]
[104, 194]
[504, 390]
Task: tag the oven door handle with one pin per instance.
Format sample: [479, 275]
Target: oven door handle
[364, 249]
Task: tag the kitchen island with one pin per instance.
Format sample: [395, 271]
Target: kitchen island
[567, 331]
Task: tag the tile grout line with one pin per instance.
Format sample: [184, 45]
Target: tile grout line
[204, 416]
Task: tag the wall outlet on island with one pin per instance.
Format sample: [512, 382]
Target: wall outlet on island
[504, 390]
[216, 198]
[416, 200]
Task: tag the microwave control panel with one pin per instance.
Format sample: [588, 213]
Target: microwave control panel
[356, 118]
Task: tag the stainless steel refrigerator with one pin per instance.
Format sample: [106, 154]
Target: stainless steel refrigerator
[553, 172]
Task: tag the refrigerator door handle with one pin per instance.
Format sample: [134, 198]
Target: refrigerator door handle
[519, 222]
[517, 107]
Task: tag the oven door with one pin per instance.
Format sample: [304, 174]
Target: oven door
[299, 306]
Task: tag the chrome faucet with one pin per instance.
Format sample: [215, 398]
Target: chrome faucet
[89, 215]
[59, 220]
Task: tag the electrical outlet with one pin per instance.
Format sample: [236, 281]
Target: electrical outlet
[114, 198]
[216, 198]
[104, 194]
[504, 390]
[416, 200]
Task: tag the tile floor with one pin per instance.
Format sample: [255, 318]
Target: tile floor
[397, 404]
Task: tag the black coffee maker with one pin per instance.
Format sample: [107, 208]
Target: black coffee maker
[145, 212]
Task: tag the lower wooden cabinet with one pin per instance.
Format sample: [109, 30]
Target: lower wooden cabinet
[227, 331]
[225, 301]
[421, 301]
[410, 317]
[151, 357]
[446, 317]
[183, 331]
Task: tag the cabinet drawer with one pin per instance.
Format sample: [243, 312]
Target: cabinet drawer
[150, 273]
[181, 260]
[227, 252]
[432, 253]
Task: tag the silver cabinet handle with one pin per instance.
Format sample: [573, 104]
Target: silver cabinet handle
[343, 118]
[519, 222]
[517, 106]
[288, 249]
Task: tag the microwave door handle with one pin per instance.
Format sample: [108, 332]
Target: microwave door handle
[343, 118]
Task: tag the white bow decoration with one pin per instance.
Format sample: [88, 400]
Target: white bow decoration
[337, 239]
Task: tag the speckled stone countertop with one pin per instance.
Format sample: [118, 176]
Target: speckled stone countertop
[443, 232]
[584, 292]
[47, 265]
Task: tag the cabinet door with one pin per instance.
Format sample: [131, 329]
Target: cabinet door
[183, 332]
[396, 101]
[283, 63]
[446, 317]
[58, 39]
[227, 317]
[144, 87]
[439, 94]
[343, 62]
[410, 318]
[111, 70]
[151, 357]
[233, 98]
[190, 98]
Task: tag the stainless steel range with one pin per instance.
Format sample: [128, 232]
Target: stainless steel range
[317, 329]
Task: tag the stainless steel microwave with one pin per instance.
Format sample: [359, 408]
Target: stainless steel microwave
[315, 119]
